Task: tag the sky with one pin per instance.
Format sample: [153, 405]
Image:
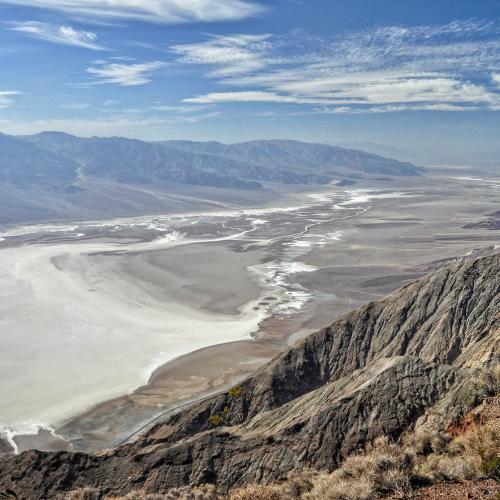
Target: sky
[413, 79]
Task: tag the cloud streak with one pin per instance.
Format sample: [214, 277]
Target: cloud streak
[230, 55]
[6, 98]
[124, 75]
[157, 11]
[446, 68]
[63, 35]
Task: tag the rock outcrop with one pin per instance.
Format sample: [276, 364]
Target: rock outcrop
[409, 360]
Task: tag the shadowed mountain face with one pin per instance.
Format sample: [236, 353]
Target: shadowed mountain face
[406, 361]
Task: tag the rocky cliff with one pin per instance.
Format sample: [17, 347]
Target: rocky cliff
[408, 361]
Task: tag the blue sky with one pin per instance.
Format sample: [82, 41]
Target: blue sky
[418, 79]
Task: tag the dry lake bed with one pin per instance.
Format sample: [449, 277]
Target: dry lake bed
[106, 326]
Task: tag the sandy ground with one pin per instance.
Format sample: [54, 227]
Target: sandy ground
[148, 290]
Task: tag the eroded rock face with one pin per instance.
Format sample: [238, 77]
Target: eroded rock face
[379, 370]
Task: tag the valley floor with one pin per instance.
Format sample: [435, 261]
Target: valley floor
[170, 309]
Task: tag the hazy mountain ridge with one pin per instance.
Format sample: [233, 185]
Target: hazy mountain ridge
[26, 165]
[131, 161]
[313, 159]
[406, 361]
[54, 175]
[240, 166]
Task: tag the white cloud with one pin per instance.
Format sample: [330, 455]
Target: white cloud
[125, 75]
[253, 96]
[64, 35]
[393, 108]
[122, 125]
[112, 125]
[448, 68]
[5, 97]
[74, 105]
[179, 109]
[158, 11]
[231, 55]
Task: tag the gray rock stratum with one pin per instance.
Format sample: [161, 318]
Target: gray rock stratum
[409, 360]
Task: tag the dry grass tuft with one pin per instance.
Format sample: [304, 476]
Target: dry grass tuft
[483, 444]
[84, 494]
[259, 492]
[299, 483]
[384, 469]
[487, 383]
[426, 442]
[450, 468]
[204, 492]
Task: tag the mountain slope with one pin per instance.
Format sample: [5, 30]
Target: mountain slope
[406, 361]
[243, 165]
[131, 161]
[323, 161]
[26, 165]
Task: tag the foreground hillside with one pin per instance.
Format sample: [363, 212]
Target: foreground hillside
[409, 362]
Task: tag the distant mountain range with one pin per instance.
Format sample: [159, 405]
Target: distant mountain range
[238, 166]
[60, 165]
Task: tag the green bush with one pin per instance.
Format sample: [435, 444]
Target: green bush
[215, 420]
[236, 392]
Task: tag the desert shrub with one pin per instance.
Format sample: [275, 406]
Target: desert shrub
[236, 392]
[384, 469]
[259, 492]
[440, 467]
[299, 483]
[483, 443]
[474, 454]
[84, 494]
[426, 442]
[487, 383]
[215, 420]
[329, 486]
[139, 495]
[203, 492]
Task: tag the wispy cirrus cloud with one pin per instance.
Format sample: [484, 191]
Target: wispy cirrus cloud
[186, 113]
[124, 75]
[254, 96]
[179, 109]
[227, 55]
[124, 124]
[6, 98]
[63, 35]
[75, 105]
[447, 68]
[157, 11]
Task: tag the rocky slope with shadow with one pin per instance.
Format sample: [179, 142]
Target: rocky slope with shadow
[406, 362]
